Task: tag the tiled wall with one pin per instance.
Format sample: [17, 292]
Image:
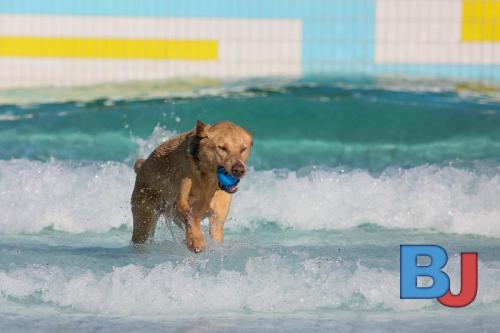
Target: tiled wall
[78, 42]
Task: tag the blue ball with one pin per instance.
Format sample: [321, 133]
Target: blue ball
[226, 181]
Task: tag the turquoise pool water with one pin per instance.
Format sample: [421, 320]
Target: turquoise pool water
[341, 175]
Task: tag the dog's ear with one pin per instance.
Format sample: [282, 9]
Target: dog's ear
[201, 129]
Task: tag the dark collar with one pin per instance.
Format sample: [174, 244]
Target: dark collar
[194, 145]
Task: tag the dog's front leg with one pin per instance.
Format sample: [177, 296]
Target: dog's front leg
[220, 208]
[194, 236]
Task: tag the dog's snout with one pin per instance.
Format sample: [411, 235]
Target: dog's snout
[238, 169]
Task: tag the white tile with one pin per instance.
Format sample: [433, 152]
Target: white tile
[426, 32]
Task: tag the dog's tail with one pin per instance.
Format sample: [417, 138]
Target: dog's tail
[138, 164]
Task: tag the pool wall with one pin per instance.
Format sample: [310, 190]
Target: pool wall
[78, 42]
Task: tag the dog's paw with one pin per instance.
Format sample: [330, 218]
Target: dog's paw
[196, 245]
[195, 240]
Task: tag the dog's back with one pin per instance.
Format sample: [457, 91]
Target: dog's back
[167, 162]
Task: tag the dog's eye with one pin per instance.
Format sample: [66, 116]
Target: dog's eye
[243, 149]
[222, 148]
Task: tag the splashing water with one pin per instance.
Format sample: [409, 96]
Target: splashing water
[340, 176]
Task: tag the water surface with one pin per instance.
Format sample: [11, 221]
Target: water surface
[341, 175]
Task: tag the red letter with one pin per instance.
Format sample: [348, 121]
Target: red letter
[468, 283]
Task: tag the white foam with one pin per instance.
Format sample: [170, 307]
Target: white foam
[446, 199]
[267, 284]
[36, 195]
[95, 197]
[159, 135]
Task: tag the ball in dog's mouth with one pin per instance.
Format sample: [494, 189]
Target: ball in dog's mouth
[227, 182]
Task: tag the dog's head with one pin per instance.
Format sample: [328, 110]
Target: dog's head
[223, 145]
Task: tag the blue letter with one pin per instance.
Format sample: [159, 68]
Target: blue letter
[410, 271]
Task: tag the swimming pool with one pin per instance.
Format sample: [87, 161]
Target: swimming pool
[341, 175]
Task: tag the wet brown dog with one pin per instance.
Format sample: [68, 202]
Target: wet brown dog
[179, 180]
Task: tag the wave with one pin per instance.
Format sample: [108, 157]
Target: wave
[199, 86]
[295, 125]
[79, 197]
[267, 154]
[446, 199]
[267, 284]
[375, 157]
[73, 198]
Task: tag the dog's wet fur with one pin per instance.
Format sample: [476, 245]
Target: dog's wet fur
[179, 180]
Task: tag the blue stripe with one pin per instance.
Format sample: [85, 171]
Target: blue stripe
[159, 8]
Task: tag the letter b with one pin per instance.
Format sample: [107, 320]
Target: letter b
[410, 271]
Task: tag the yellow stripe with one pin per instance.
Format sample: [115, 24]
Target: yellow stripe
[70, 47]
[481, 20]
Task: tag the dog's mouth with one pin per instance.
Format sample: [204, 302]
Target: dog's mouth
[227, 182]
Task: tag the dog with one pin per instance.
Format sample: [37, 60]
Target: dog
[180, 181]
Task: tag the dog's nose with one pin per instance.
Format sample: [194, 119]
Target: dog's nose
[238, 169]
